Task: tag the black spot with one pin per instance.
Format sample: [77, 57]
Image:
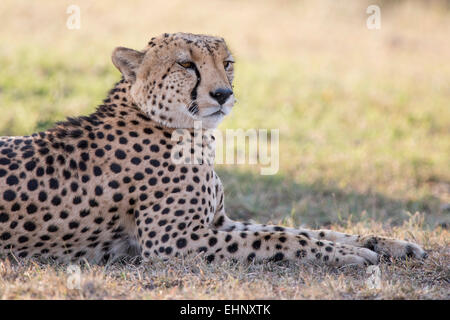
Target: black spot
[179, 213]
[194, 236]
[277, 257]
[32, 185]
[84, 213]
[113, 184]
[98, 191]
[42, 196]
[120, 154]
[303, 242]
[117, 197]
[300, 254]
[83, 144]
[9, 195]
[73, 225]
[306, 235]
[256, 244]
[99, 153]
[138, 176]
[4, 161]
[251, 256]
[115, 168]
[67, 236]
[12, 180]
[4, 217]
[135, 161]
[97, 171]
[155, 163]
[29, 226]
[137, 147]
[212, 241]
[76, 200]
[52, 228]
[98, 220]
[30, 165]
[181, 243]
[93, 203]
[5, 236]
[28, 154]
[74, 186]
[23, 239]
[232, 248]
[31, 209]
[54, 184]
[56, 201]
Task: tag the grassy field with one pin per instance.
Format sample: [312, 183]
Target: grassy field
[364, 119]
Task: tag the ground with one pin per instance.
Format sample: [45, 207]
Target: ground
[364, 139]
[194, 279]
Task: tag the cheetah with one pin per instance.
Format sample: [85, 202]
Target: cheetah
[104, 186]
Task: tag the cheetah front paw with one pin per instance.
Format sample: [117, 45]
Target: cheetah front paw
[394, 248]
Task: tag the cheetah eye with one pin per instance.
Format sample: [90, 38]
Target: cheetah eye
[227, 64]
[187, 64]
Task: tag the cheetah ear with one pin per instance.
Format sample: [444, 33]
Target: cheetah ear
[127, 61]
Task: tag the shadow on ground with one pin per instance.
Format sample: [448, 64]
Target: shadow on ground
[280, 199]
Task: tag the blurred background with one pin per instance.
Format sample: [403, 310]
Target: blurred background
[364, 115]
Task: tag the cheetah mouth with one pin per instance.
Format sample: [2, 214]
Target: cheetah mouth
[217, 113]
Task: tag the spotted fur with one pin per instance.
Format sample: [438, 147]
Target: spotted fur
[102, 186]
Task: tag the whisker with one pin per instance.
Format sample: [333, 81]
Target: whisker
[193, 107]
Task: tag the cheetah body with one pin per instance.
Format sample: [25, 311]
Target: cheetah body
[103, 186]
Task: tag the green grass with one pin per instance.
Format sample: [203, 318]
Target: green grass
[364, 122]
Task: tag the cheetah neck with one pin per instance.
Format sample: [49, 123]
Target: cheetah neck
[120, 110]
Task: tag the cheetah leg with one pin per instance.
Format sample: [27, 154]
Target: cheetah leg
[381, 245]
[249, 245]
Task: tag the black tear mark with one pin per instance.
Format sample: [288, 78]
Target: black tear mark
[194, 91]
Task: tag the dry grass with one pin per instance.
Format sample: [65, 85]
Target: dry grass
[191, 278]
[364, 124]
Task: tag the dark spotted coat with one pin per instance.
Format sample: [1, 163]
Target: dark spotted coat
[104, 185]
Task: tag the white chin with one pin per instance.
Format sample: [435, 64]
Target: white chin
[213, 121]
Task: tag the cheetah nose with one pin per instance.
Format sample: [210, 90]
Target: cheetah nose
[221, 95]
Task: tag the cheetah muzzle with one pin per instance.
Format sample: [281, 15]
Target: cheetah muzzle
[102, 186]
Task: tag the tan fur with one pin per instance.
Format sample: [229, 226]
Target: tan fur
[104, 186]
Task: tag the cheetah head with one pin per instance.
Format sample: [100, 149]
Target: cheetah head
[180, 78]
